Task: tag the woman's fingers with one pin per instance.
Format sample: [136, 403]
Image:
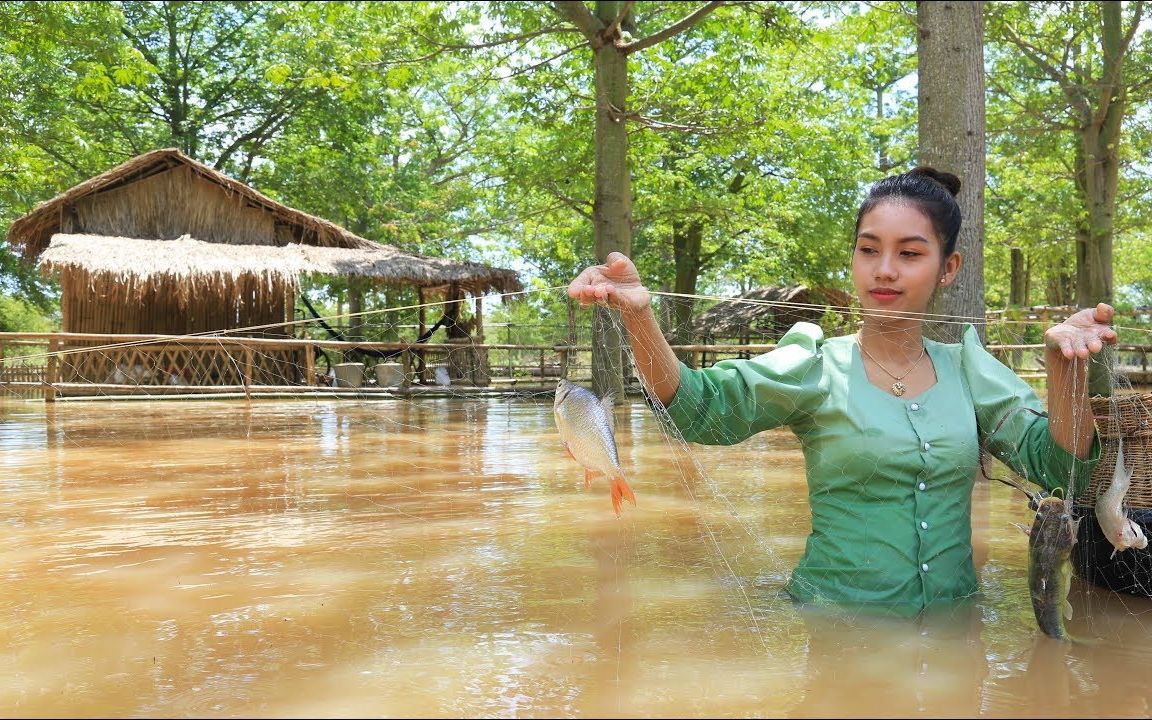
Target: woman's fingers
[613, 284]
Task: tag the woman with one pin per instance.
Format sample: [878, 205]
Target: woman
[891, 423]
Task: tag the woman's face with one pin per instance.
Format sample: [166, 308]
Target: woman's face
[898, 262]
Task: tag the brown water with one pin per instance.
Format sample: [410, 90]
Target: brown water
[443, 558]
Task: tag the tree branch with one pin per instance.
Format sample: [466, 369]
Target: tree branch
[583, 209]
[545, 61]
[654, 124]
[492, 43]
[576, 12]
[1108, 84]
[611, 29]
[672, 30]
[1074, 93]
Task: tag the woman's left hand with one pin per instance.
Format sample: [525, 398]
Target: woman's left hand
[1084, 333]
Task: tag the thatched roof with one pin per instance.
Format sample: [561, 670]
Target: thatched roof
[767, 312]
[238, 230]
[188, 260]
[32, 231]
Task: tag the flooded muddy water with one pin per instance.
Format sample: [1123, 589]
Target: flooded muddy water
[443, 558]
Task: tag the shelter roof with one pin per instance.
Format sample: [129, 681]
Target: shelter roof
[187, 259]
[768, 311]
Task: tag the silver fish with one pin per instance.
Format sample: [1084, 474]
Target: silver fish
[1120, 530]
[587, 428]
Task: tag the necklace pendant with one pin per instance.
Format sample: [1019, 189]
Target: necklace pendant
[898, 388]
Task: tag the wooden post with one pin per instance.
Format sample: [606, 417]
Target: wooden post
[50, 375]
[511, 352]
[420, 329]
[478, 331]
[248, 361]
[406, 365]
[309, 364]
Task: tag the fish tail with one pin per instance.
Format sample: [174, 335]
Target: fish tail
[621, 491]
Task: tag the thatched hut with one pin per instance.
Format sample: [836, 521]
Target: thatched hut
[163, 244]
[763, 315]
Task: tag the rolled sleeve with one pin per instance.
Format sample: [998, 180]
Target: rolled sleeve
[1014, 426]
[735, 399]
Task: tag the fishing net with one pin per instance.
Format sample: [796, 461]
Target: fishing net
[240, 524]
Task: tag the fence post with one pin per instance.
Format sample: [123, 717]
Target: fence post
[309, 364]
[248, 361]
[53, 370]
[406, 368]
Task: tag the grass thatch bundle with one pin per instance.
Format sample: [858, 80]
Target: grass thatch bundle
[193, 266]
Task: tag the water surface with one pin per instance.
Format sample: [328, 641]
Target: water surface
[443, 558]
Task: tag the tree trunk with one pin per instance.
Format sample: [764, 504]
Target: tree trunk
[950, 52]
[1018, 295]
[356, 290]
[883, 160]
[612, 208]
[687, 238]
[1100, 143]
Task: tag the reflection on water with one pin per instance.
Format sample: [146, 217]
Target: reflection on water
[443, 558]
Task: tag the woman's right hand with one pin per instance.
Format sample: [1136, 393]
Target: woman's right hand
[615, 284]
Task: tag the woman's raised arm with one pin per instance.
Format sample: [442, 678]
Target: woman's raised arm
[1068, 347]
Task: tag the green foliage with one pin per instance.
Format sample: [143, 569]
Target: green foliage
[19, 315]
[1045, 62]
[466, 129]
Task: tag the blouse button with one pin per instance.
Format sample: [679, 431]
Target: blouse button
[914, 407]
[924, 567]
[927, 446]
[921, 486]
[923, 525]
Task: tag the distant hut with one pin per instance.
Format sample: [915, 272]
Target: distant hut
[763, 315]
[163, 244]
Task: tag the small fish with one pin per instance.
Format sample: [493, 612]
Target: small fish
[1050, 544]
[1120, 530]
[587, 428]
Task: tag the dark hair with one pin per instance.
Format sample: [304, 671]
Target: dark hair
[932, 191]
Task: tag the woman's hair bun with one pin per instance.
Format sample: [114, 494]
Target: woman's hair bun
[947, 179]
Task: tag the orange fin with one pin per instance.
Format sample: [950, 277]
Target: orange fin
[569, 451]
[587, 478]
[621, 491]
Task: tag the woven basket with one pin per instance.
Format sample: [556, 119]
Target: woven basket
[1130, 417]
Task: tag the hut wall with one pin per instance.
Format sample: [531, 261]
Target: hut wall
[105, 305]
[173, 203]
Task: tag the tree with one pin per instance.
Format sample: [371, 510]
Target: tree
[1089, 54]
[950, 52]
[607, 32]
[1088, 51]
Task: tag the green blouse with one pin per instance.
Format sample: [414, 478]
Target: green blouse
[889, 478]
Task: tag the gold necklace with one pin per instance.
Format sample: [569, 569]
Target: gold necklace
[898, 387]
